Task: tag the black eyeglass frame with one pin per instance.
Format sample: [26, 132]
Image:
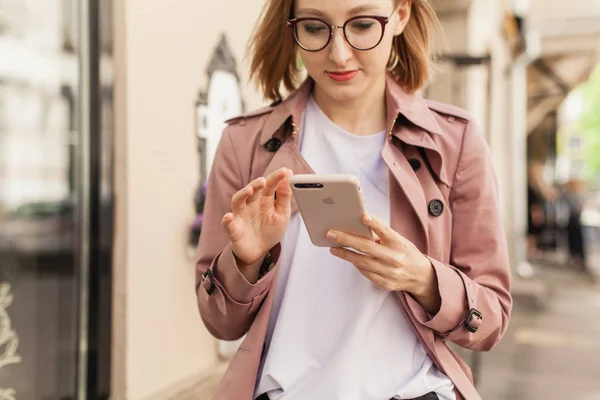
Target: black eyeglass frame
[293, 23]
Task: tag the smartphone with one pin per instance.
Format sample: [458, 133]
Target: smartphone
[330, 202]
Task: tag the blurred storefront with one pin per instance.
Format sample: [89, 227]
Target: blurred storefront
[511, 64]
[569, 48]
[55, 199]
[96, 279]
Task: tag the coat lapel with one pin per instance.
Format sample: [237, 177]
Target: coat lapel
[407, 180]
[419, 138]
[416, 124]
[411, 122]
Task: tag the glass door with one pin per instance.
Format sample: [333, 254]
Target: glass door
[39, 200]
[55, 200]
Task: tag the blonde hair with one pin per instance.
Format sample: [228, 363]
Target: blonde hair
[274, 53]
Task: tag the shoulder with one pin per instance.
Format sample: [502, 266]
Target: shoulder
[456, 123]
[448, 111]
[461, 140]
[253, 115]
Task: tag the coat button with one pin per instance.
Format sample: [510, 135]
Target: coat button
[208, 276]
[415, 164]
[273, 145]
[436, 207]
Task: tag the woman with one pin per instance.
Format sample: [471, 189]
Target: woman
[574, 228]
[323, 324]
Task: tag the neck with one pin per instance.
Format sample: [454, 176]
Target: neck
[364, 115]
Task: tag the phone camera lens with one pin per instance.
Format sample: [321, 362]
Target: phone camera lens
[308, 185]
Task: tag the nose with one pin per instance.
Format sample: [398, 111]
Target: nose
[340, 52]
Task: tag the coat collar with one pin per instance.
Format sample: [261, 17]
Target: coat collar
[399, 102]
[293, 107]
[411, 105]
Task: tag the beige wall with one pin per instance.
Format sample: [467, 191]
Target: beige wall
[488, 97]
[162, 49]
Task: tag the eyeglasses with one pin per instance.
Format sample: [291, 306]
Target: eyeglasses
[362, 32]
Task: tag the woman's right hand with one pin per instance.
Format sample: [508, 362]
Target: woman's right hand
[258, 219]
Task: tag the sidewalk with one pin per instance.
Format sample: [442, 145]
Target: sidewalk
[552, 349]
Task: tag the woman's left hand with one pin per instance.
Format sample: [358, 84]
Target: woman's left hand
[392, 262]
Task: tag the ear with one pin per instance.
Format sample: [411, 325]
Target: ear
[402, 16]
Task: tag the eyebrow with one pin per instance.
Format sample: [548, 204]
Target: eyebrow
[354, 11]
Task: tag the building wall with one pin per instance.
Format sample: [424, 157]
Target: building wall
[161, 54]
[487, 88]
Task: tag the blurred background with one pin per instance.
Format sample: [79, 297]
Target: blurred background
[110, 113]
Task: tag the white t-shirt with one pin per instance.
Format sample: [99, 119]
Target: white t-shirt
[332, 334]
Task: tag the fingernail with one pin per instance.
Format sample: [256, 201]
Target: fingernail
[333, 251]
[368, 218]
[331, 235]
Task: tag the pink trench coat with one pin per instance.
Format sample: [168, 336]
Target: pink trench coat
[448, 207]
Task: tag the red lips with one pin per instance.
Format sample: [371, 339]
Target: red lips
[343, 76]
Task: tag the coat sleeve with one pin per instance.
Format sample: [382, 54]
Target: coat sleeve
[227, 301]
[475, 287]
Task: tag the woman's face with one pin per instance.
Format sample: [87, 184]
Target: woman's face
[342, 72]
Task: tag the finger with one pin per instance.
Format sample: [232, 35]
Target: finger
[284, 192]
[257, 186]
[241, 198]
[360, 261]
[228, 224]
[273, 180]
[360, 244]
[376, 238]
[238, 201]
[381, 229]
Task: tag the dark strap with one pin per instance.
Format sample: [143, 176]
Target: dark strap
[428, 396]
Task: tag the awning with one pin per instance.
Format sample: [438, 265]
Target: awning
[569, 45]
